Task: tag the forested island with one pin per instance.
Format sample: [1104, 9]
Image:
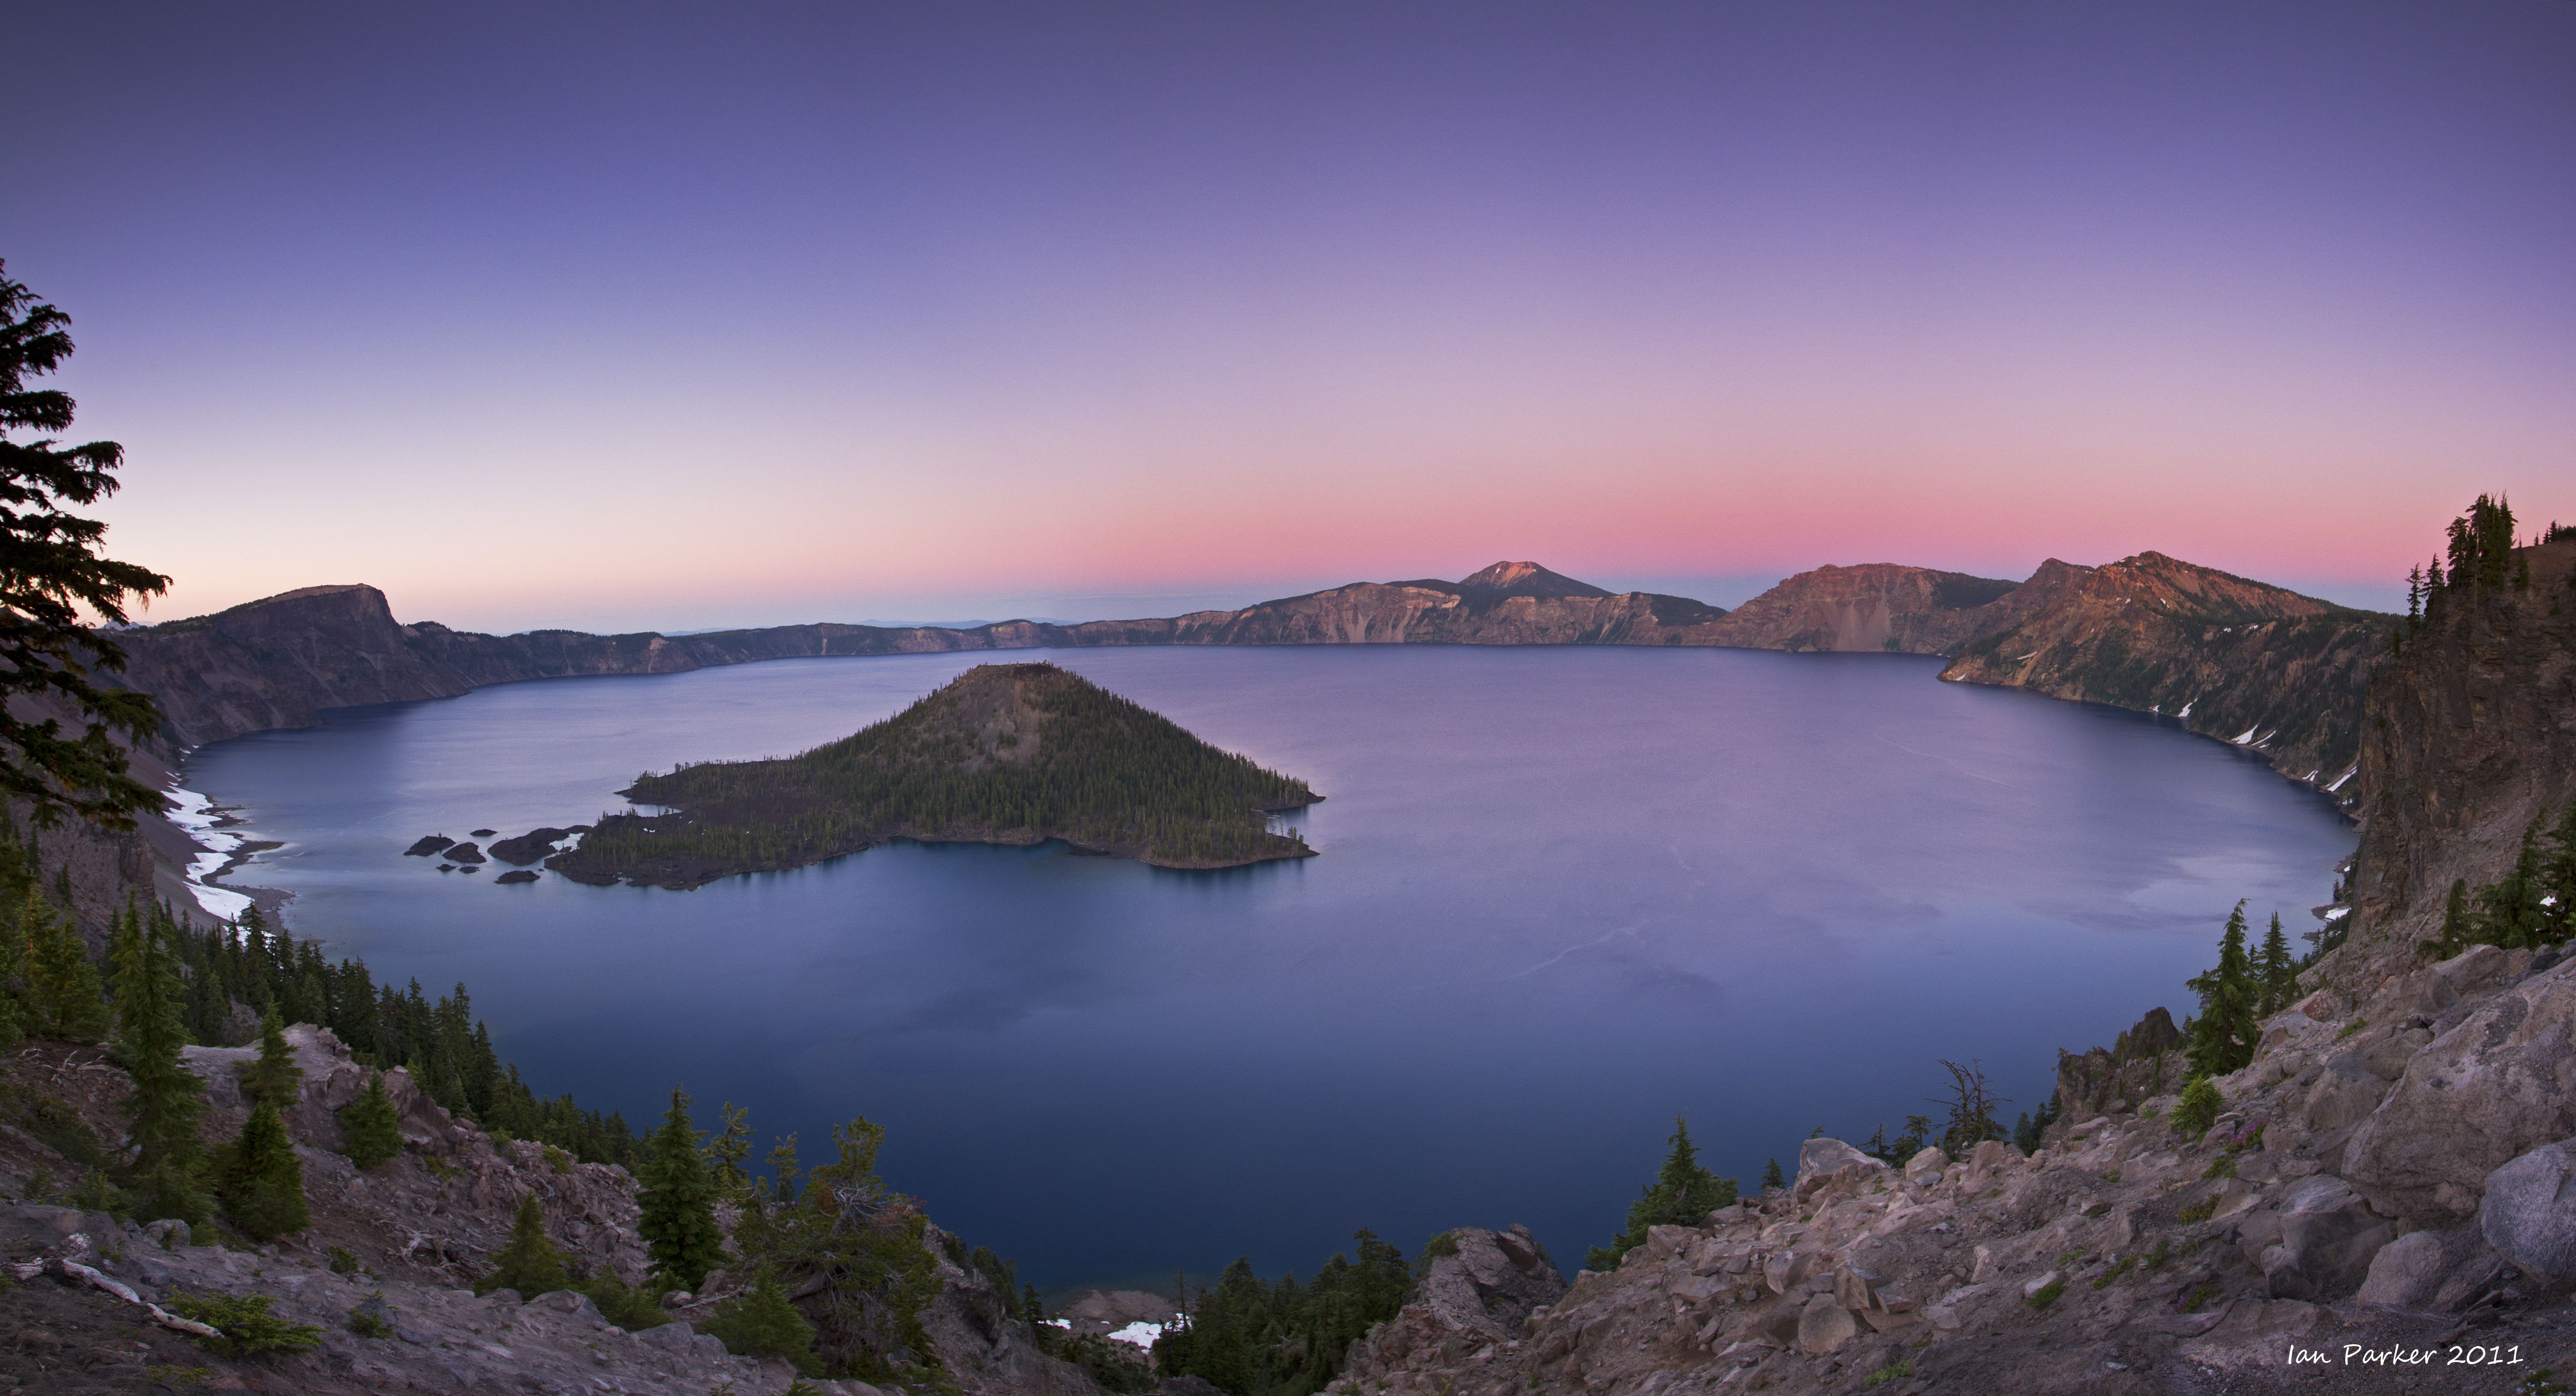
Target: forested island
[1006, 754]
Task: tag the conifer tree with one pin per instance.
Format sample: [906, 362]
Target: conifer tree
[1772, 1177]
[2222, 1037]
[763, 1323]
[530, 1263]
[167, 1100]
[2277, 970]
[1032, 1308]
[726, 1149]
[275, 1076]
[261, 1181]
[2509, 912]
[63, 991]
[1681, 1195]
[679, 1221]
[2457, 928]
[14, 1016]
[370, 1131]
[2558, 878]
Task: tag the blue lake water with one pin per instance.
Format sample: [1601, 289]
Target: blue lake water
[1564, 894]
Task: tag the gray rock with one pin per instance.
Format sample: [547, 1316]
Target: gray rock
[1493, 1282]
[1822, 1162]
[2497, 1085]
[2329, 1235]
[170, 1232]
[670, 1337]
[1926, 1166]
[2439, 1270]
[1187, 1386]
[1824, 1325]
[2529, 1213]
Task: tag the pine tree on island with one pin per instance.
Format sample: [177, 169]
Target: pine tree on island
[679, 1221]
[370, 1131]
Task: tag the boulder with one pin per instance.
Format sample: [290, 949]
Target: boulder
[2492, 1088]
[509, 878]
[1824, 1325]
[1822, 1162]
[430, 846]
[2529, 1213]
[1493, 1281]
[465, 853]
[1926, 1167]
[1991, 1156]
[2329, 1235]
[2437, 1270]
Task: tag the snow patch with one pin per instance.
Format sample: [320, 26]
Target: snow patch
[1141, 1333]
[197, 814]
[2339, 780]
[2186, 709]
[2246, 737]
[2337, 913]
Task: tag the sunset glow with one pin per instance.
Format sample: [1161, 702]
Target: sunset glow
[792, 313]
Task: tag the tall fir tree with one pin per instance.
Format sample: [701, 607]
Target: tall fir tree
[1772, 1177]
[2510, 912]
[63, 992]
[2558, 877]
[260, 1180]
[2276, 969]
[2221, 1038]
[275, 1078]
[370, 1131]
[168, 1099]
[679, 1221]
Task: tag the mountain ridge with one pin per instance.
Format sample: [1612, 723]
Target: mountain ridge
[2149, 632]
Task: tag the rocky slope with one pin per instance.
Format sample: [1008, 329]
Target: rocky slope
[87, 1300]
[2382, 1190]
[1875, 606]
[2270, 670]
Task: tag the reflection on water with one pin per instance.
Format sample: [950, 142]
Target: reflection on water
[1564, 895]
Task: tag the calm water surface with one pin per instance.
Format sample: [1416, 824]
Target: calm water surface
[1564, 895]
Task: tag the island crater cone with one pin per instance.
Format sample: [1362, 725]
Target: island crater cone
[1005, 753]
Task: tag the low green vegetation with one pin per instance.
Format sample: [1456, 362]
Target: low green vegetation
[1251, 1338]
[245, 1326]
[1011, 753]
[2198, 1108]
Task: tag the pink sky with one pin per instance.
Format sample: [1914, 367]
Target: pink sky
[988, 311]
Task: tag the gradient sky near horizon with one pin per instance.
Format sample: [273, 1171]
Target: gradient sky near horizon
[653, 315]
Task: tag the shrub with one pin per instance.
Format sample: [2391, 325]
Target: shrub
[367, 1323]
[530, 1263]
[763, 1323]
[622, 1304]
[2199, 1107]
[2046, 1294]
[1893, 1371]
[244, 1326]
[372, 1132]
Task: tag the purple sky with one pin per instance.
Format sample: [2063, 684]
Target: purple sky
[649, 316]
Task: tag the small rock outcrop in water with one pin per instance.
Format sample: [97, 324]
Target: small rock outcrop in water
[430, 846]
[465, 853]
[529, 848]
[1006, 753]
[521, 875]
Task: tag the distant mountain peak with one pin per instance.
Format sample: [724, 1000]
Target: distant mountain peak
[1528, 579]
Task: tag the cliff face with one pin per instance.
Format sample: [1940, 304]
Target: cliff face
[2471, 734]
[277, 662]
[2270, 670]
